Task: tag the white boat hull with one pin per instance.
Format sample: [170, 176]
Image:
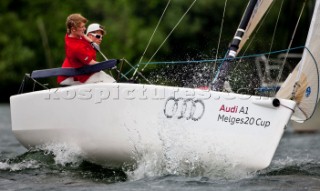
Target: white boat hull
[112, 124]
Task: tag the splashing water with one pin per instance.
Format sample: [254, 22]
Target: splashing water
[58, 154]
[182, 155]
[31, 164]
[64, 154]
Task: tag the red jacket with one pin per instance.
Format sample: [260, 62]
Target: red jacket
[79, 52]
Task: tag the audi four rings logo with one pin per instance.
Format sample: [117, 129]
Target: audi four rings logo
[184, 108]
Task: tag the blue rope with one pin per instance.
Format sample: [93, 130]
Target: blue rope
[221, 60]
[219, 67]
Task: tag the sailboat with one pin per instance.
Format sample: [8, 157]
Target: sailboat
[114, 124]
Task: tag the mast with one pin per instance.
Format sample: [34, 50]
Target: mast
[261, 9]
[233, 48]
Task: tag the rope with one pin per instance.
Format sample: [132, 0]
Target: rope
[317, 70]
[221, 27]
[151, 38]
[220, 34]
[220, 59]
[293, 35]
[27, 76]
[275, 28]
[169, 34]
[257, 30]
[218, 71]
[132, 68]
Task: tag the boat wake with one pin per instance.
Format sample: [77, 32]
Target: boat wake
[307, 167]
[62, 159]
[12, 166]
[60, 155]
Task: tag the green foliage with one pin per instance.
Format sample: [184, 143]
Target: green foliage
[32, 35]
[244, 78]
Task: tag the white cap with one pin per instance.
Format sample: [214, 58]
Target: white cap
[95, 27]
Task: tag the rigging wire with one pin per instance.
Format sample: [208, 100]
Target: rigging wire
[272, 41]
[220, 34]
[257, 30]
[275, 28]
[221, 27]
[151, 38]
[225, 57]
[288, 49]
[136, 67]
[140, 74]
[169, 34]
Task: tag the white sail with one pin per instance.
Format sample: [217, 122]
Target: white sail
[259, 10]
[305, 74]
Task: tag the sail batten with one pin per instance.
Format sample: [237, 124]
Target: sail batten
[303, 83]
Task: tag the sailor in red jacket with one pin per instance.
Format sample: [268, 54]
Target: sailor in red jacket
[79, 52]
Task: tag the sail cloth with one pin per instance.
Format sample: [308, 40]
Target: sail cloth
[260, 9]
[302, 84]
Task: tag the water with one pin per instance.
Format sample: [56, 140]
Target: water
[296, 166]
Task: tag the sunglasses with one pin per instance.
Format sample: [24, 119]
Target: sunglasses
[98, 36]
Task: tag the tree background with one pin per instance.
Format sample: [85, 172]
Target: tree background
[32, 33]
